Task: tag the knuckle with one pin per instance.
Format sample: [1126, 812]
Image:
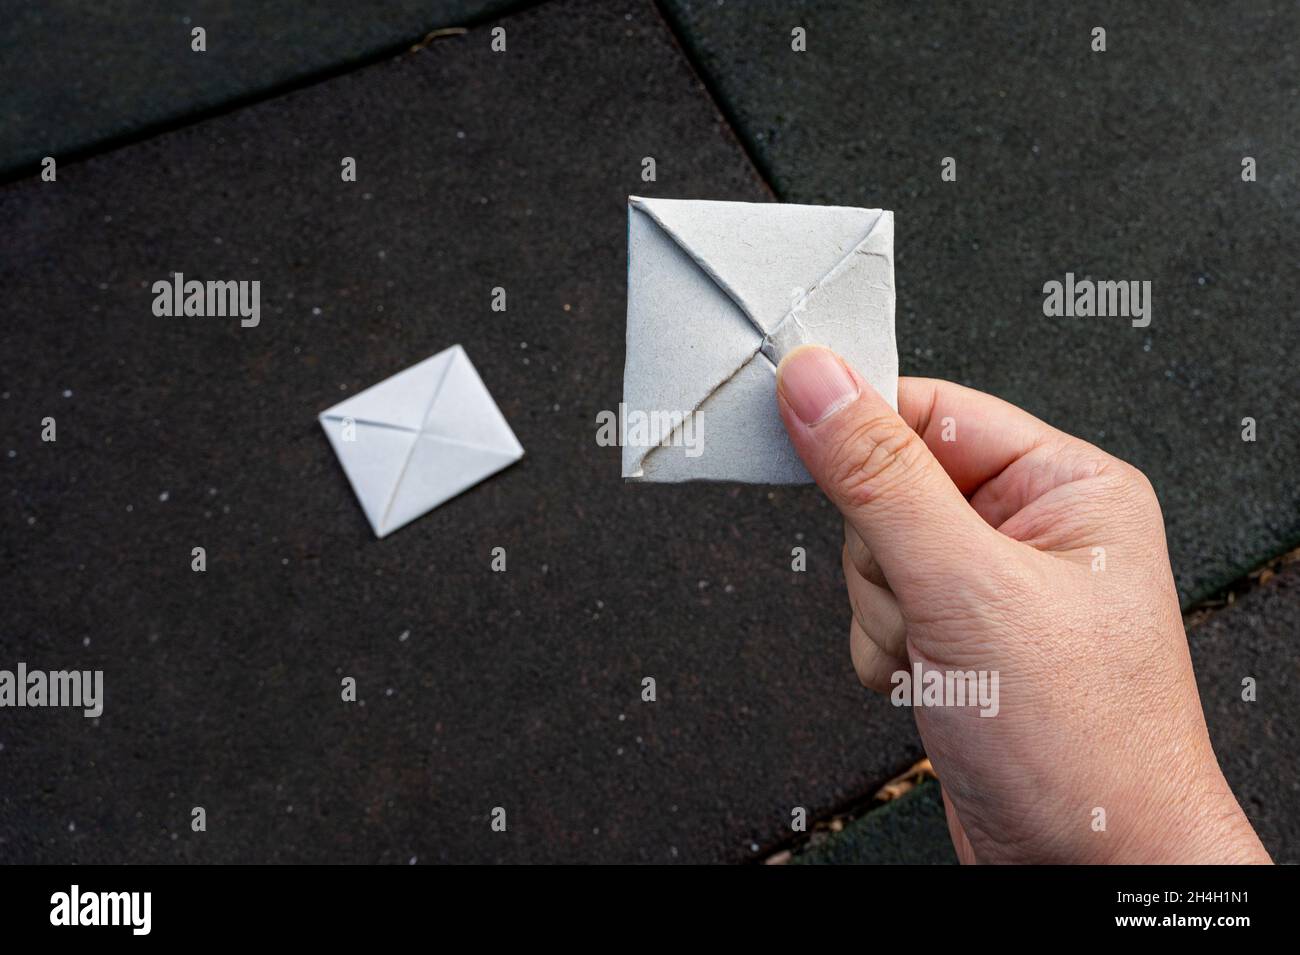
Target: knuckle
[1134, 493]
[872, 455]
[1011, 586]
[1127, 479]
[1142, 485]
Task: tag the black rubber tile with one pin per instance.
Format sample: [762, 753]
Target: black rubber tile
[79, 74]
[1257, 739]
[477, 689]
[909, 830]
[1122, 165]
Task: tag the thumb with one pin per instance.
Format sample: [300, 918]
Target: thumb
[877, 471]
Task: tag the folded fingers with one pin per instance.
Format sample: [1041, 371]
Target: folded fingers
[860, 557]
[876, 610]
[873, 666]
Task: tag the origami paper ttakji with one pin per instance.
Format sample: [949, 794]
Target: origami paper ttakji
[717, 293]
[419, 438]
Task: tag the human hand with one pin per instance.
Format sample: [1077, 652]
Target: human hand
[978, 538]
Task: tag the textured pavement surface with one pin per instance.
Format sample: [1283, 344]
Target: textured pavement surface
[1117, 165]
[910, 830]
[86, 73]
[519, 690]
[1256, 741]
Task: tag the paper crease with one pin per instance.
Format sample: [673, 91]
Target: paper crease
[388, 508]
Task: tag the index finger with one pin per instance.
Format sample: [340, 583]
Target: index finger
[974, 435]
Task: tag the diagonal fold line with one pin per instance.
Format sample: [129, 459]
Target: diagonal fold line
[831, 273]
[371, 424]
[457, 443]
[668, 440]
[411, 453]
[703, 266]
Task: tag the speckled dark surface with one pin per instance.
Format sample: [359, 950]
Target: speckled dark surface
[1117, 165]
[520, 689]
[1257, 742]
[82, 74]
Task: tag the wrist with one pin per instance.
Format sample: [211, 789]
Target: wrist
[1198, 822]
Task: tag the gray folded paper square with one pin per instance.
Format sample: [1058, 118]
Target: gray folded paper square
[717, 293]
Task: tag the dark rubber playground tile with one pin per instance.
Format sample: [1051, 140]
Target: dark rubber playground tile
[1257, 739]
[1116, 165]
[910, 830]
[520, 690]
[78, 74]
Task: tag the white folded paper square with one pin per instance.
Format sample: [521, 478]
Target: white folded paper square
[717, 293]
[419, 438]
